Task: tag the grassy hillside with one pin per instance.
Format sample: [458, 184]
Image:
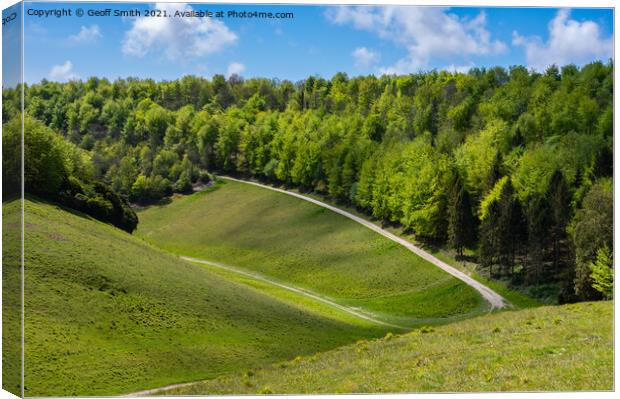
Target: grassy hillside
[108, 313]
[552, 348]
[517, 299]
[304, 244]
[11, 297]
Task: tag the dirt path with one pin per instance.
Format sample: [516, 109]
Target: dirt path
[297, 290]
[153, 391]
[493, 298]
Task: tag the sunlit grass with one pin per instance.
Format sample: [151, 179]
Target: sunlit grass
[298, 242]
[555, 348]
[108, 314]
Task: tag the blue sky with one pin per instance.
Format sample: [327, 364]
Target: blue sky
[318, 41]
[11, 55]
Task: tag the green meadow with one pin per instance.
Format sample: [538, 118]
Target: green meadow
[555, 348]
[110, 314]
[11, 298]
[301, 243]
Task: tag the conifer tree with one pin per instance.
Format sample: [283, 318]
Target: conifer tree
[559, 204]
[461, 222]
[537, 233]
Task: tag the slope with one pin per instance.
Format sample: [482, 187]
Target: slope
[107, 313]
[554, 348]
[309, 246]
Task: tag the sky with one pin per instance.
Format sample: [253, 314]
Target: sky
[11, 46]
[319, 40]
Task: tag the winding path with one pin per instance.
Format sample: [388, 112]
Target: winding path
[495, 300]
[297, 290]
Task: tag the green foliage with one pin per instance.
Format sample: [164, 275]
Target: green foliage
[387, 146]
[475, 157]
[531, 148]
[148, 189]
[59, 171]
[461, 224]
[603, 272]
[492, 197]
[99, 201]
[50, 160]
[590, 230]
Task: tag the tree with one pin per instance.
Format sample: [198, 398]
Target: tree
[590, 230]
[148, 189]
[461, 222]
[184, 183]
[559, 204]
[478, 158]
[528, 148]
[512, 228]
[495, 171]
[537, 215]
[227, 144]
[489, 234]
[156, 121]
[603, 272]
[50, 160]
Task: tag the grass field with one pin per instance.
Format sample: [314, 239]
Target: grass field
[551, 348]
[294, 241]
[110, 313]
[107, 313]
[516, 299]
[11, 297]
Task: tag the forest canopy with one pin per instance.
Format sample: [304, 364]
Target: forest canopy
[511, 165]
[57, 170]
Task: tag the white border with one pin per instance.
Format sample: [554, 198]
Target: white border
[474, 3]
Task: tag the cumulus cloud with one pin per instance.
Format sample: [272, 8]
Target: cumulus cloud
[569, 41]
[364, 57]
[235, 68]
[177, 37]
[426, 32]
[460, 68]
[63, 72]
[87, 34]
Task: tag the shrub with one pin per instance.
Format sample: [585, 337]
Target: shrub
[147, 189]
[184, 184]
[99, 201]
[266, 390]
[426, 329]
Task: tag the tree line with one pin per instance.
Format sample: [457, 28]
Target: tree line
[510, 166]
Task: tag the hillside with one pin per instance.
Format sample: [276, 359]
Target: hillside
[11, 298]
[543, 349]
[294, 241]
[473, 161]
[110, 314]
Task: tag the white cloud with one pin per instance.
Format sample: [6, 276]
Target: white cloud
[459, 68]
[177, 37]
[569, 41]
[63, 72]
[364, 57]
[428, 33]
[235, 68]
[87, 34]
